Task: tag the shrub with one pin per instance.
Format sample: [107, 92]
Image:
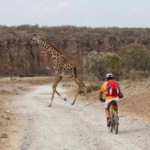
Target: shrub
[90, 88]
[136, 59]
[100, 64]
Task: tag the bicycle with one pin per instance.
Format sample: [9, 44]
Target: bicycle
[114, 120]
[114, 123]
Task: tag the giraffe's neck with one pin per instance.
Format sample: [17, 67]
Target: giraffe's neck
[57, 56]
[61, 64]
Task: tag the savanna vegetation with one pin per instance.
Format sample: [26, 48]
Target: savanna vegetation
[123, 51]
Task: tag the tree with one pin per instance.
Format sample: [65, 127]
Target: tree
[100, 64]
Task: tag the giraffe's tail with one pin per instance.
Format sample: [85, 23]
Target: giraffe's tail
[75, 71]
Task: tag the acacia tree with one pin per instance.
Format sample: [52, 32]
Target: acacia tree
[136, 60]
[100, 64]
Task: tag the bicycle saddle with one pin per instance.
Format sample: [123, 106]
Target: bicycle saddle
[112, 103]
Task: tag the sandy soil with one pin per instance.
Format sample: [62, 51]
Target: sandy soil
[26, 123]
[10, 90]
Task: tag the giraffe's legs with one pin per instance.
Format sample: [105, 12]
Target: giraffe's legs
[60, 96]
[76, 96]
[80, 85]
[57, 80]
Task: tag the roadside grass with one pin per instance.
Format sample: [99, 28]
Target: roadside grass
[90, 88]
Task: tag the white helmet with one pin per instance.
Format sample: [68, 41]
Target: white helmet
[109, 75]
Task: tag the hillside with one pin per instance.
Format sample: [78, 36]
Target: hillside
[18, 57]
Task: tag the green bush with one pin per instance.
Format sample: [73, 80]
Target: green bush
[100, 64]
[38, 70]
[90, 88]
[136, 60]
[114, 65]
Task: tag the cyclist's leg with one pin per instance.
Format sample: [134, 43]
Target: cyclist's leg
[107, 109]
[116, 106]
[107, 112]
[116, 109]
[107, 116]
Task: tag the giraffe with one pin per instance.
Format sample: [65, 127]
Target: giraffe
[61, 66]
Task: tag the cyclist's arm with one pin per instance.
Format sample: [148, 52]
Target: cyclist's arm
[102, 90]
[120, 93]
[119, 88]
[100, 94]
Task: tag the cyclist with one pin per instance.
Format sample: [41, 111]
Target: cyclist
[109, 97]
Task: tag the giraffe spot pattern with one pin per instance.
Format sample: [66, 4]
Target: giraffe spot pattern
[59, 59]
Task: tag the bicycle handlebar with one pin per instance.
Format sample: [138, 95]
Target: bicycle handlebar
[102, 100]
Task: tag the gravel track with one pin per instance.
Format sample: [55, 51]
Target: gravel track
[77, 127]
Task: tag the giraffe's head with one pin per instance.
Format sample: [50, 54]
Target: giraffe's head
[34, 39]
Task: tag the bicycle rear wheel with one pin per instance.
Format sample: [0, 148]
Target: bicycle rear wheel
[116, 123]
[112, 122]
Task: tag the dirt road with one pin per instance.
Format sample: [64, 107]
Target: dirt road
[78, 127]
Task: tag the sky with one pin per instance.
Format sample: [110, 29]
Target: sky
[87, 13]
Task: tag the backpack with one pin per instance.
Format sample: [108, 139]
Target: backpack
[112, 88]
